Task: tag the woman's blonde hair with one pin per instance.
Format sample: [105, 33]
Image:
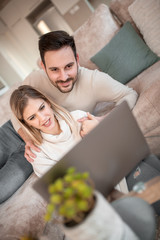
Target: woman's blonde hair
[18, 102]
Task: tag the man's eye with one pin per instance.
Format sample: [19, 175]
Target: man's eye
[54, 69]
[69, 66]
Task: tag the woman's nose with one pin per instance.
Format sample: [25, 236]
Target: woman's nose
[40, 116]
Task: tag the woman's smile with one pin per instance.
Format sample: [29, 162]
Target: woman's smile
[47, 123]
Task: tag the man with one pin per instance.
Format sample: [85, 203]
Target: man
[68, 84]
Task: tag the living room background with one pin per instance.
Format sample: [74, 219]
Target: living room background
[19, 32]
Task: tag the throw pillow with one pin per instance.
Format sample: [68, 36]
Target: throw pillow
[146, 15]
[94, 34]
[125, 56]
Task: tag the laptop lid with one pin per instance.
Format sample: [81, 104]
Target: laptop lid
[109, 152]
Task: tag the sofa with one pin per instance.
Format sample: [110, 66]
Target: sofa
[101, 37]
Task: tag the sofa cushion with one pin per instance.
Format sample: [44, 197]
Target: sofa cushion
[120, 10]
[146, 15]
[125, 56]
[94, 34]
[14, 168]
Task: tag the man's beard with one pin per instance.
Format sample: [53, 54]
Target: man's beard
[62, 89]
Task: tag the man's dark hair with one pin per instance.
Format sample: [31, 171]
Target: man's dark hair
[55, 40]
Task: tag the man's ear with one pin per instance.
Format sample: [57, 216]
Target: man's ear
[77, 58]
[43, 66]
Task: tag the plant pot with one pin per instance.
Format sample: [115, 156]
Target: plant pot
[102, 223]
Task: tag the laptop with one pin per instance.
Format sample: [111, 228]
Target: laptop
[109, 152]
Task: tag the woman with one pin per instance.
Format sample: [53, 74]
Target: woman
[50, 126]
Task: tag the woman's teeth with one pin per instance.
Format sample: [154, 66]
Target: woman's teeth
[46, 122]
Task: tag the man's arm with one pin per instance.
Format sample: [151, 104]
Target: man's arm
[107, 89]
[29, 144]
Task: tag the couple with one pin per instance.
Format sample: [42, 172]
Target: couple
[69, 85]
[49, 129]
[63, 81]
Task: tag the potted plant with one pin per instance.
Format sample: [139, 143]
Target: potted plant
[71, 197]
[84, 212]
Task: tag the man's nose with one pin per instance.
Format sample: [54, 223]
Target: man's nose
[63, 75]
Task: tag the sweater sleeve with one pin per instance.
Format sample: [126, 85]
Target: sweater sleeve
[105, 88]
[42, 163]
[77, 114]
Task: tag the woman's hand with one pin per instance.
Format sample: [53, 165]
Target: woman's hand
[29, 155]
[87, 124]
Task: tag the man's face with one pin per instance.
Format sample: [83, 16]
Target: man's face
[61, 68]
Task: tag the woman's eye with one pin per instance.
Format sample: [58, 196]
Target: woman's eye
[42, 107]
[31, 118]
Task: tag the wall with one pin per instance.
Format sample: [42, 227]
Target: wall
[18, 39]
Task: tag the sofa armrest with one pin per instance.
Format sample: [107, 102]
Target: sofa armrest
[146, 79]
[147, 109]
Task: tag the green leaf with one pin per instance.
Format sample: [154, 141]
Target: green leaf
[82, 205]
[58, 185]
[68, 192]
[56, 198]
[85, 175]
[50, 208]
[71, 170]
[68, 178]
[51, 188]
[47, 217]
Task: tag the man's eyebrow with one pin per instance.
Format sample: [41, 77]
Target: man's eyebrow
[51, 68]
[70, 63]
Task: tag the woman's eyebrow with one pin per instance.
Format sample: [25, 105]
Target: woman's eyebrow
[30, 116]
[34, 113]
[41, 106]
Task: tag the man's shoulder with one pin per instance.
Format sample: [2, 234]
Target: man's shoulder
[90, 73]
[86, 75]
[90, 77]
[84, 70]
[35, 76]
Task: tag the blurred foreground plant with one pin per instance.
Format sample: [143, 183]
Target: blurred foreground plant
[71, 196]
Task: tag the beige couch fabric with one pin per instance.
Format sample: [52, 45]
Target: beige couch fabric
[94, 34]
[146, 15]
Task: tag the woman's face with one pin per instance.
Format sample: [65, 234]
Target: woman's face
[39, 114]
